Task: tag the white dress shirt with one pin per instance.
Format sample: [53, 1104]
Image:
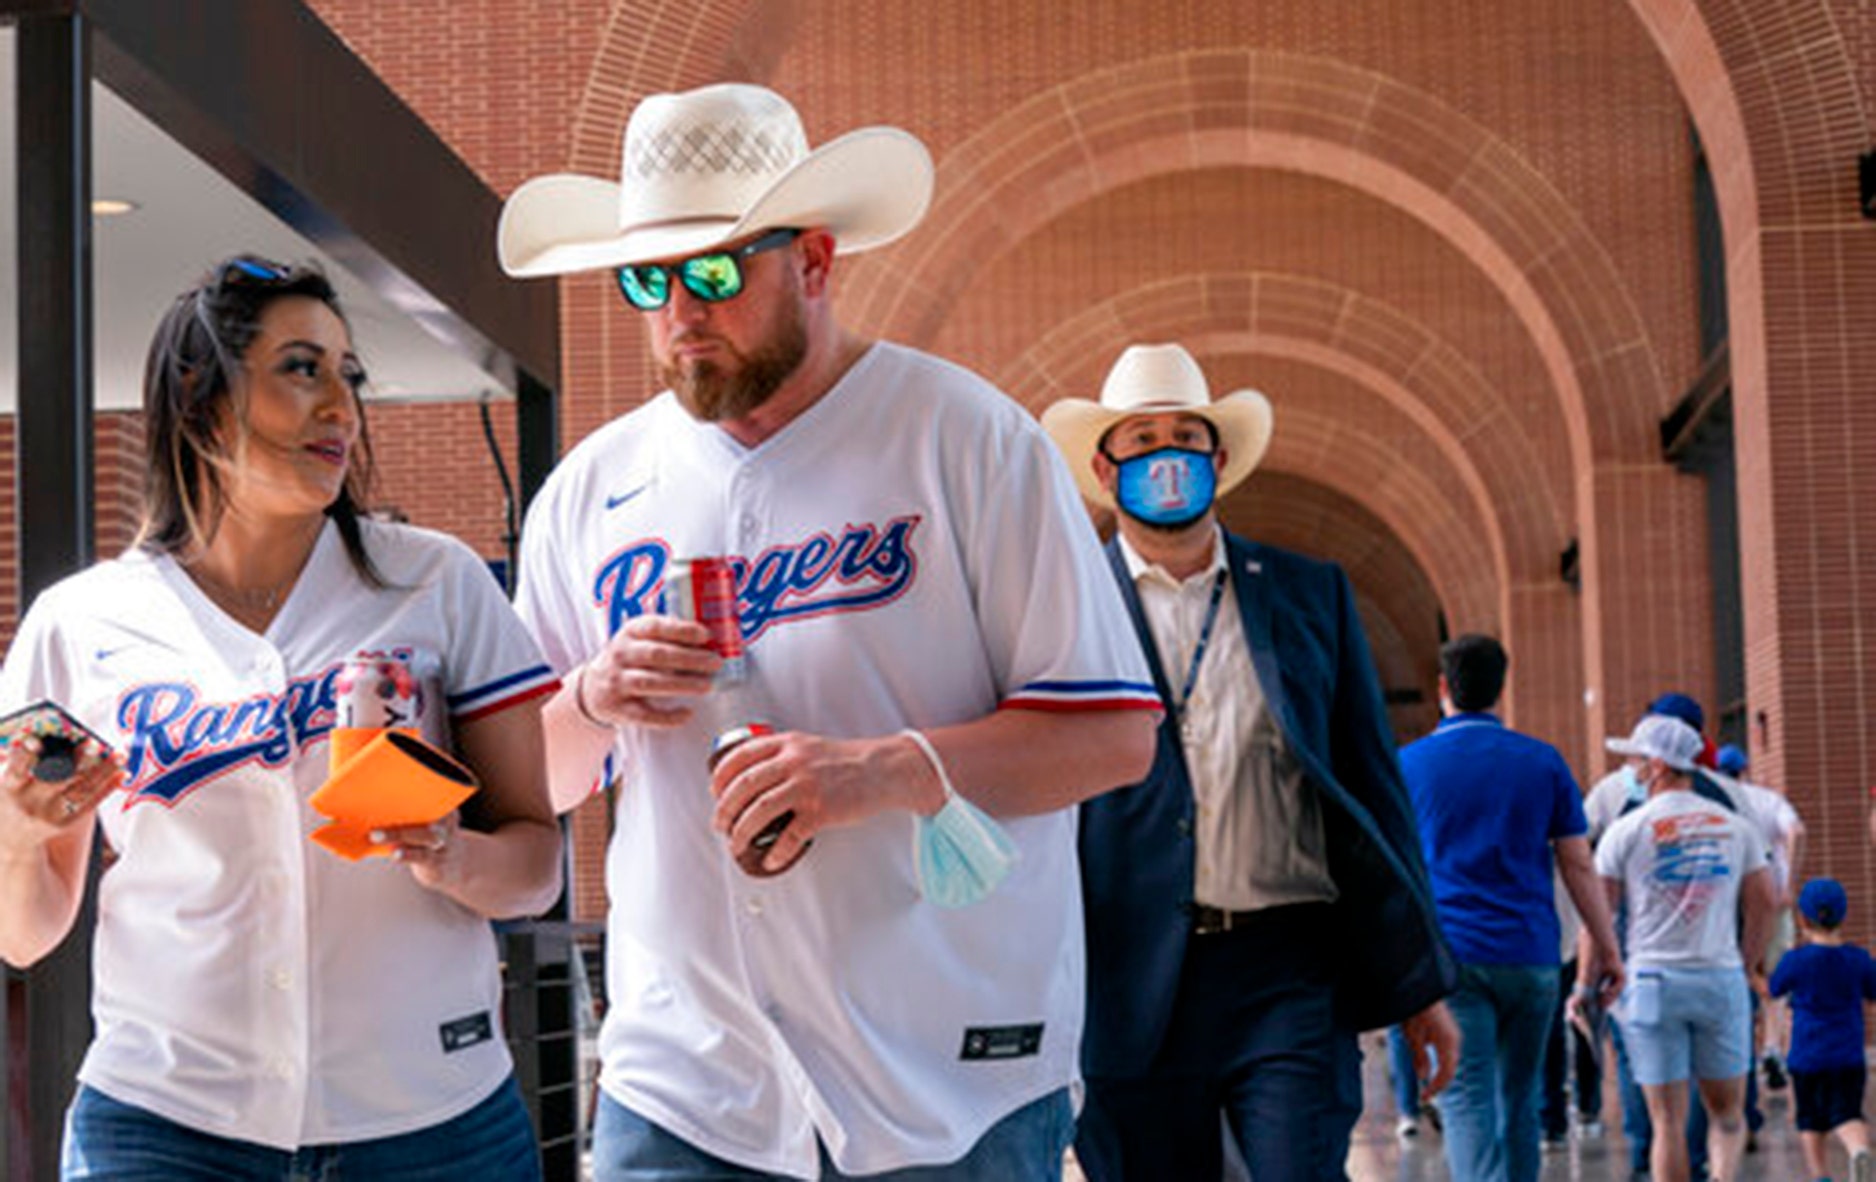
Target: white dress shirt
[1258, 822]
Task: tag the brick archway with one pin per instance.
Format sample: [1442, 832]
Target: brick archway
[1399, 608]
[1784, 104]
[1266, 109]
[1259, 109]
[1370, 342]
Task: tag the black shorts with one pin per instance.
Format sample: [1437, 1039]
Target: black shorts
[1828, 1098]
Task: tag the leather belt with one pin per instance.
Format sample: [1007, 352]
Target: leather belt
[1207, 921]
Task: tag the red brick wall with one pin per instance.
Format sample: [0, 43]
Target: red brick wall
[117, 487]
[433, 464]
[1452, 241]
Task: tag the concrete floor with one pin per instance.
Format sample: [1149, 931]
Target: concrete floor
[1378, 1155]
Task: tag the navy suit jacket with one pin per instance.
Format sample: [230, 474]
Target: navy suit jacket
[1137, 848]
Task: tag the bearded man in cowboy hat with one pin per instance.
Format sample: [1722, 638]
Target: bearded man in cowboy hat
[1260, 897]
[926, 628]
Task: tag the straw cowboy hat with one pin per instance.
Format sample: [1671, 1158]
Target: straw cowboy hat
[709, 166]
[1157, 379]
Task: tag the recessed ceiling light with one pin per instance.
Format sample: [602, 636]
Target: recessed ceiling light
[106, 207]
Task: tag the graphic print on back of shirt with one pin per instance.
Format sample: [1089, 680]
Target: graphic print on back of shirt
[1690, 861]
[865, 567]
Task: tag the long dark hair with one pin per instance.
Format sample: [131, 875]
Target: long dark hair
[197, 349]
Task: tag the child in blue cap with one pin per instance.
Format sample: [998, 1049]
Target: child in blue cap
[1828, 979]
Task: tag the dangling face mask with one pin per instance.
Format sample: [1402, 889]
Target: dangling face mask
[1171, 487]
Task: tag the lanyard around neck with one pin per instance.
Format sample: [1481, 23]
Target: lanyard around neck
[1205, 640]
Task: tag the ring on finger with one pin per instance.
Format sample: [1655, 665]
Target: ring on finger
[68, 807]
[439, 837]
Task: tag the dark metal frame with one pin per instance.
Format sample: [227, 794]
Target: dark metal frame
[274, 101]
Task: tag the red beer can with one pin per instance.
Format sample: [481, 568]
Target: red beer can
[704, 590]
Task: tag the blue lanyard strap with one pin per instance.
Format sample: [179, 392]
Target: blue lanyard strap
[1205, 640]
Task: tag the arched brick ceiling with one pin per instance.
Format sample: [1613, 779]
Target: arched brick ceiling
[1262, 109]
[1311, 518]
[1283, 254]
[1386, 472]
[1277, 316]
[1334, 431]
[1784, 98]
[1399, 609]
[648, 48]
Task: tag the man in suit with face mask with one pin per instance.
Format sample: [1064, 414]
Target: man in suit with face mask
[1260, 898]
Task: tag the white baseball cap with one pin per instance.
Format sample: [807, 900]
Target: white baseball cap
[1661, 737]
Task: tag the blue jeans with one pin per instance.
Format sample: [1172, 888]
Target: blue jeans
[109, 1141]
[1028, 1143]
[1253, 1036]
[1490, 1114]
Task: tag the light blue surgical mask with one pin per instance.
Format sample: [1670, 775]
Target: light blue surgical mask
[1171, 487]
[1637, 791]
[959, 854]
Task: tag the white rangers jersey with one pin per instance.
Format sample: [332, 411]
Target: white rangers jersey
[909, 552]
[247, 983]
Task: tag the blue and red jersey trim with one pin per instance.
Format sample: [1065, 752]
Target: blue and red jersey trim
[1067, 696]
[496, 696]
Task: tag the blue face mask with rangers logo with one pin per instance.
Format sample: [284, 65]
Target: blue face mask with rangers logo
[1171, 487]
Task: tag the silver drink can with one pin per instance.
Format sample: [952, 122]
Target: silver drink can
[376, 692]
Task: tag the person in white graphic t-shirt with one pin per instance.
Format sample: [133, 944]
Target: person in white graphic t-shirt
[1694, 879]
[929, 629]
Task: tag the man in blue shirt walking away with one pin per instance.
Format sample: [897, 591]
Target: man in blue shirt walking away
[1497, 811]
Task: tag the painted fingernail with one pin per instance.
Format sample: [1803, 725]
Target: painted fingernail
[377, 837]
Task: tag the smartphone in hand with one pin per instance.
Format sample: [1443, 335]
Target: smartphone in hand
[59, 736]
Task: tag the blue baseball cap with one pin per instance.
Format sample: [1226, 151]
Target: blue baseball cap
[1732, 759]
[1823, 902]
[1680, 706]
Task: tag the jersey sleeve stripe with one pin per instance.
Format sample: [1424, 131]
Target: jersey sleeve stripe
[501, 704]
[503, 693]
[468, 699]
[1090, 687]
[1079, 705]
[1084, 695]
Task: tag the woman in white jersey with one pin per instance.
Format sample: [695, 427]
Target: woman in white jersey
[265, 1009]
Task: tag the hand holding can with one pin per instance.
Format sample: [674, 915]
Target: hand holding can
[752, 858]
[704, 590]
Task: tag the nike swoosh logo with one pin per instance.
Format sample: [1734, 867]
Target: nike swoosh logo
[105, 654]
[614, 502]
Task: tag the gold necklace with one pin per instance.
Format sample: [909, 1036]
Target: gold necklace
[245, 600]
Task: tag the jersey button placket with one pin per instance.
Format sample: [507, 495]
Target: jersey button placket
[744, 522]
[289, 977]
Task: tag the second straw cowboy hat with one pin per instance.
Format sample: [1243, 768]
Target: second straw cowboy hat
[709, 166]
[1156, 379]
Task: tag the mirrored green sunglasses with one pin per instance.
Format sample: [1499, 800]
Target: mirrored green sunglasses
[712, 278]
